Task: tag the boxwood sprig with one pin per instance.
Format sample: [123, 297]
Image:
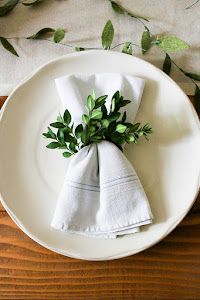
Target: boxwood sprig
[97, 125]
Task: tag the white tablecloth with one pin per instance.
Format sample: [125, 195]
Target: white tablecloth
[84, 21]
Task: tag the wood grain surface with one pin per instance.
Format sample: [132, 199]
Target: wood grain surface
[169, 270]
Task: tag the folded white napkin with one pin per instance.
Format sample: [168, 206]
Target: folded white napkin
[102, 195]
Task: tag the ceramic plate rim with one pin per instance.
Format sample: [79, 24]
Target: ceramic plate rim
[66, 252]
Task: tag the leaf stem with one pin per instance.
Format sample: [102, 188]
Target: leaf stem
[51, 41]
[133, 44]
[70, 46]
[142, 22]
[180, 69]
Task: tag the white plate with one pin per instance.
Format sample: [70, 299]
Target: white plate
[31, 175]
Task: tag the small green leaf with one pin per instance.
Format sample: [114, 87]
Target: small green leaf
[124, 117]
[121, 10]
[117, 97]
[72, 147]
[69, 138]
[121, 128]
[117, 8]
[84, 137]
[79, 49]
[170, 43]
[100, 101]
[60, 135]
[66, 129]
[57, 125]
[72, 126]
[130, 139]
[79, 130]
[59, 35]
[146, 129]
[114, 117]
[67, 117]
[146, 40]
[67, 154]
[123, 103]
[31, 2]
[8, 7]
[96, 114]
[197, 99]
[167, 64]
[6, 44]
[85, 119]
[193, 75]
[53, 145]
[47, 135]
[90, 103]
[127, 48]
[117, 138]
[133, 127]
[91, 129]
[40, 33]
[53, 136]
[59, 118]
[104, 110]
[107, 35]
[104, 123]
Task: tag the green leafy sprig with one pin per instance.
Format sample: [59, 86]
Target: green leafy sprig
[56, 34]
[97, 125]
[165, 43]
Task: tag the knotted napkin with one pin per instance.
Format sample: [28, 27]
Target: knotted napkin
[102, 195]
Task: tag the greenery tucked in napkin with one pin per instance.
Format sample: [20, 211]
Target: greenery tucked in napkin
[97, 125]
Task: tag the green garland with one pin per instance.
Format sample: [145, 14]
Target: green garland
[97, 125]
[166, 43]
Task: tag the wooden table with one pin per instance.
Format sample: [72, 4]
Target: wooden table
[169, 270]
